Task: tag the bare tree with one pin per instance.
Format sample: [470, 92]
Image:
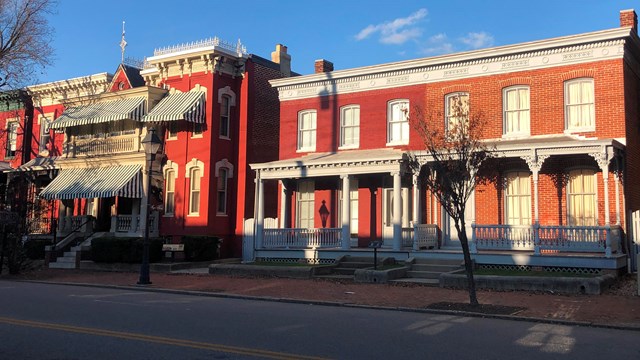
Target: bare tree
[25, 37]
[455, 156]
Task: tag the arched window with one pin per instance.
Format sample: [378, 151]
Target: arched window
[169, 192]
[398, 122]
[579, 105]
[222, 190]
[225, 111]
[195, 176]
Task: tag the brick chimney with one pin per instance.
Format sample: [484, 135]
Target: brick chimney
[628, 18]
[281, 57]
[323, 66]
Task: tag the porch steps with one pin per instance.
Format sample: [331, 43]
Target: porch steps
[68, 260]
[428, 271]
[346, 266]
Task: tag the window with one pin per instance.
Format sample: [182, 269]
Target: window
[518, 198]
[224, 116]
[197, 129]
[579, 108]
[306, 199]
[172, 130]
[516, 110]
[350, 126]
[581, 204]
[353, 207]
[194, 191]
[44, 121]
[222, 190]
[398, 122]
[169, 192]
[12, 139]
[456, 111]
[307, 130]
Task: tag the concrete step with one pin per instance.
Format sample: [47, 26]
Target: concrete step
[76, 248]
[66, 259]
[355, 265]
[434, 267]
[426, 282]
[69, 254]
[423, 274]
[343, 271]
[62, 265]
[450, 262]
[335, 277]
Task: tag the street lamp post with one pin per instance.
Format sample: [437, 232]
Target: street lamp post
[151, 144]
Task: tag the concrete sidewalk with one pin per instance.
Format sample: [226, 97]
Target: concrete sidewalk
[619, 307]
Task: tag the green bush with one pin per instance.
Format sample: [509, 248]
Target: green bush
[201, 248]
[124, 250]
[34, 248]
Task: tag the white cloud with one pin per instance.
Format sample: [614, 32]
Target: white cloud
[437, 44]
[397, 31]
[477, 40]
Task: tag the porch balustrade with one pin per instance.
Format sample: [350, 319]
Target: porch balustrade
[425, 236]
[102, 146]
[302, 238]
[82, 224]
[407, 237]
[126, 223]
[550, 238]
[39, 226]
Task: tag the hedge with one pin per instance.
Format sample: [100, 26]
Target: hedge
[201, 248]
[124, 250]
[34, 248]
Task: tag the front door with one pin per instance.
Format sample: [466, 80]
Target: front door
[450, 233]
[387, 213]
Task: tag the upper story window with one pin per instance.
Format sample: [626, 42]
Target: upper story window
[581, 202]
[172, 130]
[12, 139]
[398, 122]
[194, 191]
[456, 111]
[169, 192]
[44, 120]
[225, 110]
[350, 127]
[516, 110]
[197, 130]
[579, 105]
[307, 130]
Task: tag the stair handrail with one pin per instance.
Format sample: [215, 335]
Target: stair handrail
[70, 236]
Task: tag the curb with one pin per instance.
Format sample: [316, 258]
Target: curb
[342, 304]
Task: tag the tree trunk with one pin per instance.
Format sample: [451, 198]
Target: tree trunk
[468, 264]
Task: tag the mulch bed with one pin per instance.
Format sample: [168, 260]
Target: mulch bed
[486, 309]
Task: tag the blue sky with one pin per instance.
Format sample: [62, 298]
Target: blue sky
[348, 33]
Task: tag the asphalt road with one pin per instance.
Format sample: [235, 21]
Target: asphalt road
[42, 321]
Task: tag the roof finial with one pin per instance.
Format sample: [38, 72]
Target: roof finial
[123, 43]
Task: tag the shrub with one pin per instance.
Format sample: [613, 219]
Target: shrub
[124, 250]
[201, 248]
[34, 248]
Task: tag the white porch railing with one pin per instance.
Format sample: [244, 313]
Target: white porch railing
[554, 238]
[302, 238]
[407, 237]
[39, 226]
[126, 223]
[425, 236]
[102, 146]
[82, 224]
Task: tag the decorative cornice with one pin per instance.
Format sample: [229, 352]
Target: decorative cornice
[583, 48]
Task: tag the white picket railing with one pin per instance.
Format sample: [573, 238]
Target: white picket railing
[425, 236]
[103, 146]
[554, 238]
[504, 237]
[302, 238]
[407, 237]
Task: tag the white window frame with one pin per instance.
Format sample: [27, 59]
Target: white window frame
[222, 191]
[571, 197]
[350, 112]
[191, 167]
[583, 106]
[448, 117]
[311, 131]
[170, 176]
[400, 122]
[172, 125]
[43, 121]
[305, 195]
[197, 130]
[13, 125]
[522, 113]
[518, 198]
[225, 116]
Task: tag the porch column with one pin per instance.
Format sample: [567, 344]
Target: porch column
[346, 213]
[259, 230]
[397, 211]
[417, 216]
[602, 158]
[285, 205]
[62, 213]
[616, 179]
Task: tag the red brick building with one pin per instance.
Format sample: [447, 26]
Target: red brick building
[562, 114]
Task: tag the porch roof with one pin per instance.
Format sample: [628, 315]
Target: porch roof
[87, 183]
[188, 106]
[101, 112]
[333, 164]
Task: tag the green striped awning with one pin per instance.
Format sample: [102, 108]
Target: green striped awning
[188, 106]
[88, 183]
[132, 108]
